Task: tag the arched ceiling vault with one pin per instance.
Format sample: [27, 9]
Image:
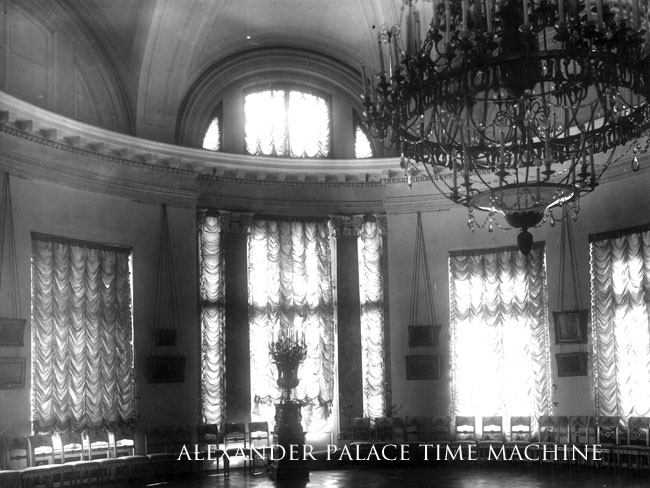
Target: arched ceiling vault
[186, 38]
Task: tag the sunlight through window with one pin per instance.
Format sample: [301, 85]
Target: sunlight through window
[212, 139]
[362, 146]
[287, 123]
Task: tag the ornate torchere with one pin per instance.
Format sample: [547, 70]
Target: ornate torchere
[288, 353]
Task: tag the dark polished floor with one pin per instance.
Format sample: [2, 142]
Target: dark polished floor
[461, 476]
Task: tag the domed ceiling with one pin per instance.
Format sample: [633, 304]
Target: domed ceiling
[159, 48]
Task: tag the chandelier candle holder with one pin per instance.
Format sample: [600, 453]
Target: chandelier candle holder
[288, 352]
[513, 107]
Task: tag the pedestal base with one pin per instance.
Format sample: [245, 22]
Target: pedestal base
[292, 464]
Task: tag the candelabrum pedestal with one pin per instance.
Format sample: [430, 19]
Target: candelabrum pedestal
[290, 463]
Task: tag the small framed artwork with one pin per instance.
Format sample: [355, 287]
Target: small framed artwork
[165, 337]
[166, 369]
[12, 373]
[12, 332]
[571, 326]
[572, 363]
[424, 335]
[423, 367]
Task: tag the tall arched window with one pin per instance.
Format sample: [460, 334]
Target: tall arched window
[287, 123]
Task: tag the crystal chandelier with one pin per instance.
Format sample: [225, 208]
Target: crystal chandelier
[513, 107]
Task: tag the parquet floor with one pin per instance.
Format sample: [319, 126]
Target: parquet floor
[465, 476]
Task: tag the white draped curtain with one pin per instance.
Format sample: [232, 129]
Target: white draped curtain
[620, 308]
[371, 292]
[213, 321]
[81, 335]
[500, 358]
[290, 290]
[287, 123]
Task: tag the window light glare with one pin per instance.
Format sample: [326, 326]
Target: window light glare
[212, 138]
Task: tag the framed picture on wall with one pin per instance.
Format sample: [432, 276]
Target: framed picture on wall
[424, 335]
[12, 373]
[166, 369]
[423, 367]
[571, 326]
[572, 363]
[12, 332]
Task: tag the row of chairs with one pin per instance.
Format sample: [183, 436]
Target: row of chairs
[99, 456]
[620, 445]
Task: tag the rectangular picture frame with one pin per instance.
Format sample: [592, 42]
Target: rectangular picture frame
[12, 332]
[424, 335]
[166, 369]
[571, 326]
[572, 363]
[12, 373]
[422, 367]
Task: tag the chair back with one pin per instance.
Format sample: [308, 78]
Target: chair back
[177, 437]
[607, 430]
[234, 435]
[362, 429]
[414, 429]
[95, 443]
[399, 430]
[41, 449]
[121, 442]
[581, 429]
[15, 453]
[492, 428]
[384, 429]
[465, 428]
[70, 446]
[439, 429]
[520, 430]
[155, 440]
[258, 434]
[637, 431]
[553, 428]
[207, 434]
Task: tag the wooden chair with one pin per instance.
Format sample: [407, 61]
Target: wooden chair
[553, 436]
[15, 453]
[384, 430]
[259, 438]
[234, 444]
[582, 433]
[464, 437]
[207, 439]
[41, 449]
[607, 435]
[43, 470]
[71, 453]
[124, 465]
[491, 437]
[636, 450]
[161, 460]
[518, 447]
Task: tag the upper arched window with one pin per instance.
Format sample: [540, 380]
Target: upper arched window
[212, 138]
[287, 123]
[362, 145]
